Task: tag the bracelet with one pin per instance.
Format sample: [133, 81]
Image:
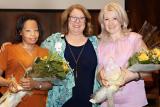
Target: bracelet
[139, 76]
[40, 86]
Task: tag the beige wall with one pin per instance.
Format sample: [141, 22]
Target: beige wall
[52, 4]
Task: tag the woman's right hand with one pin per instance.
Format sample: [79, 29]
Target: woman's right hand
[28, 83]
[13, 86]
[102, 78]
[4, 44]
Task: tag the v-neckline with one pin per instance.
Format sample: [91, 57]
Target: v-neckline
[31, 54]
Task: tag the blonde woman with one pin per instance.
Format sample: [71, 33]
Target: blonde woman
[119, 43]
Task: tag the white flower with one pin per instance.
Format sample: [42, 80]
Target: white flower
[62, 35]
[10, 99]
[58, 46]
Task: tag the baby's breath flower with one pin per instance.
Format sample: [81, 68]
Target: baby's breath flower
[62, 35]
[58, 46]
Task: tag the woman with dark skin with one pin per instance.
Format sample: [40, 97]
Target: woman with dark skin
[17, 57]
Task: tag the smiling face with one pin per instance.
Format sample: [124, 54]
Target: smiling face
[30, 32]
[76, 21]
[111, 23]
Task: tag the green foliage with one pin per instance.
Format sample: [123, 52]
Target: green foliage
[133, 60]
[51, 66]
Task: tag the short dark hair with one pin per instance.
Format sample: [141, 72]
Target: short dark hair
[20, 24]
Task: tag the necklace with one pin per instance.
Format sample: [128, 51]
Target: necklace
[76, 60]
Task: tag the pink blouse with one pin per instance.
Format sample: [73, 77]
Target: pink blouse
[133, 93]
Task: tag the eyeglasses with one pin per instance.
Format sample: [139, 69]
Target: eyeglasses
[74, 19]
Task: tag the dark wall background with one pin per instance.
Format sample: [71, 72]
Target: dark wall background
[141, 10]
[138, 11]
[50, 20]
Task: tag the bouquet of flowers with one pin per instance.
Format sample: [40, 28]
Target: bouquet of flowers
[51, 67]
[48, 68]
[10, 99]
[145, 60]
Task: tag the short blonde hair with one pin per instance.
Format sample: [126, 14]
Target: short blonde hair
[65, 16]
[120, 14]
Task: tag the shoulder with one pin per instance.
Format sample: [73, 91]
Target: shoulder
[93, 39]
[8, 47]
[135, 35]
[135, 39]
[52, 39]
[42, 51]
[41, 48]
[55, 42]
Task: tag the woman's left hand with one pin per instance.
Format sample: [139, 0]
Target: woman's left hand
[102, 78]
[28, 83]
[129, 75]
[13, 86]
[3, 45]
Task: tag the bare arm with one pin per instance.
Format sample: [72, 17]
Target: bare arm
[128, 76]
[3, 81]
[102, 78]
[142, 75]
[3, 46]
[44, 85]
[12, 85]
[134, 76]
[29, 84]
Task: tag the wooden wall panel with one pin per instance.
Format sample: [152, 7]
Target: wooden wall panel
[149, 10]
[141, 10]
[138, 11]
[50, 20]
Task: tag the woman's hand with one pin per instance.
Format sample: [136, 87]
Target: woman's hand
[130, 76]
[13, 86]
[102, 78]
[119, 78]
[28, 83]
[4, 44]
